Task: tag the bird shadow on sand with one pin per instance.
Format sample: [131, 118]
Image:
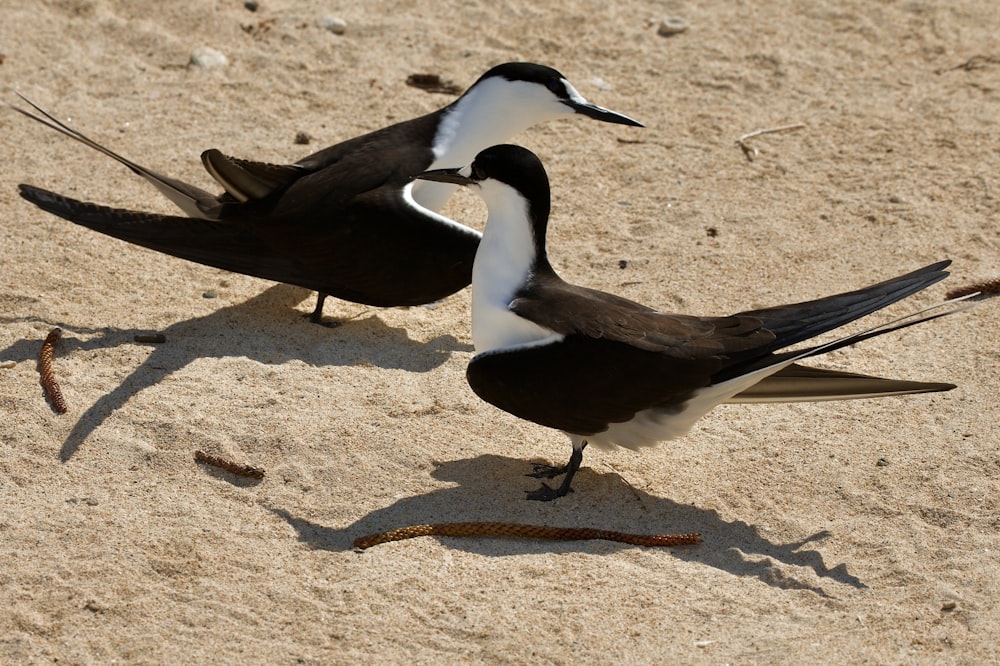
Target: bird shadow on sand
[487, 489]
[265, 328]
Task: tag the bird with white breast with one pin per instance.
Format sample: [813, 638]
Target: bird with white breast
[611, 372]
[348, 221]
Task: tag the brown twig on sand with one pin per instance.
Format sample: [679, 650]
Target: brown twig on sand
[749, 152]
[525, 531]
[49, 383]
[432, 83]
[229, 465]
[975, 62]
[984, 288]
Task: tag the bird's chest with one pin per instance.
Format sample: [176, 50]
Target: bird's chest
[497, 276]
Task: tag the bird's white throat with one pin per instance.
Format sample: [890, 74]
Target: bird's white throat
[503, 264]
[489, 113]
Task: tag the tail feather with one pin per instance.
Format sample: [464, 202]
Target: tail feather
[790, 382]
[244, 179]
[801, 321]
[210, 242]
[194, 201]
[799, 383]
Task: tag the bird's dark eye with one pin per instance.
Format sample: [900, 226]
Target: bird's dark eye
[477, 172]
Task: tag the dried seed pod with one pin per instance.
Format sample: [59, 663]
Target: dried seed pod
[48, 377]
[229, 465]
[525, 531]
[984, 288]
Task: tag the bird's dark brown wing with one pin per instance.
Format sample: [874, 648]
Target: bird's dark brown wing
[572, 310]
[797, 322]
[617, 358]
[247, 180]
[582, 384]
[378, 251]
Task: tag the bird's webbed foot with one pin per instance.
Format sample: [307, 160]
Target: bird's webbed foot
[547, 493]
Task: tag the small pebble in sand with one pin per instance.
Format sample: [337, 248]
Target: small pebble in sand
[883, 462]
[251, 5]
[337, 26]
[949, 606]
[303, 138]
[600, 83]
[209, 294]
[206, 57]
[6, 365]
[672, 26]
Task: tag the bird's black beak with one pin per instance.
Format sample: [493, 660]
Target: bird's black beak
[600, 113]
[446, 176]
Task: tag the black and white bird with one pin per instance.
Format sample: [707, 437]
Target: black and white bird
[611, 372]
[348, 221]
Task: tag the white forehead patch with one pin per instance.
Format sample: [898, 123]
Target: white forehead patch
[573, 93]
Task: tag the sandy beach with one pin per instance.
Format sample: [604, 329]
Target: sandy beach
[841, 532]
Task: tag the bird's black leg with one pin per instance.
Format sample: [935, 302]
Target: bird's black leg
[316, 316]
[543, 471]
[547, 494]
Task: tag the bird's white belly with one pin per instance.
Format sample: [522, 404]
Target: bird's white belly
[652, 426]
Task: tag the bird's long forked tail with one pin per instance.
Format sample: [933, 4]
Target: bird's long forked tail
[798, 322]
[192, 200]
[798, 383]
[210, 242]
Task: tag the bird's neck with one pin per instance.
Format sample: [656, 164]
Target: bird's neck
[486, 115]
[507, 256]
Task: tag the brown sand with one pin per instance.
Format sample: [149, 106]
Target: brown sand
[117, 546]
